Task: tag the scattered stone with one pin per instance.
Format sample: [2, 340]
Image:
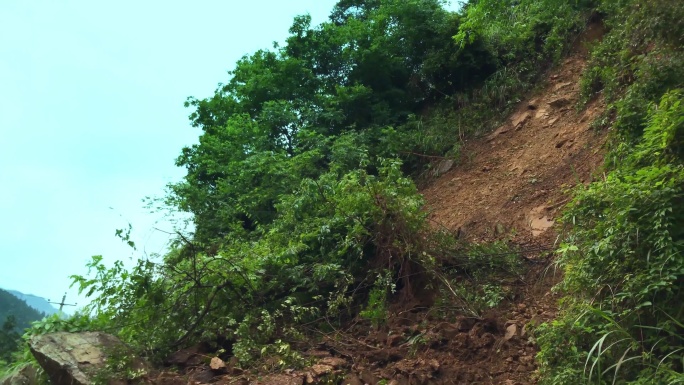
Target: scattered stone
[201, 375]
[561, 142]
[500, 229]
[352, 379]
[368, 377]
[527, 360]
[319, 370]
[443, 167]
[559, 102]
[561, 86]
[217, 364]
[519, 120]
[318, 353]
[538, 221]
[335, 362]
[185, 357]
[541, 113]
[465, 324]
[394, 339]
[447, 330]
[234, 366]
[511, 331]
[501, 130]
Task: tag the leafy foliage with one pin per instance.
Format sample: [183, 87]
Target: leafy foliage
[624, 266]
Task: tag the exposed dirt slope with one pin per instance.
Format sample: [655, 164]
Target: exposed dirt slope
[515, 180]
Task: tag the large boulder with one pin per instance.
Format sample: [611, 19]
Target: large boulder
[78, 358]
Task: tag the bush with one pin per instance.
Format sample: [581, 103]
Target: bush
[624, 265]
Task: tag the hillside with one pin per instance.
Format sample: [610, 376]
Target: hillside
[38, 303]
[15, 316]
[544, 245]
[546, 138]
[23, 314]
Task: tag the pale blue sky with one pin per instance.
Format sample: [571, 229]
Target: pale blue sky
[92, 117]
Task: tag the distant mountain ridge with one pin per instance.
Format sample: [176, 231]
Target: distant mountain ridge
[17, 312]
[38, 303]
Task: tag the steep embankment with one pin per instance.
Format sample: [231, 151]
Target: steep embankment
[514, 181]
[510, 184]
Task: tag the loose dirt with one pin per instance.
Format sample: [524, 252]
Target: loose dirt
[514, 182]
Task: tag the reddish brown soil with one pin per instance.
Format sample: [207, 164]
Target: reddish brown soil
[514, 181]
[510, 184]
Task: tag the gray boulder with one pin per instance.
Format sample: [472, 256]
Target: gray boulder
[78, 358]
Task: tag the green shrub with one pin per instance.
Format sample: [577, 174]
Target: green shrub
[624, 265]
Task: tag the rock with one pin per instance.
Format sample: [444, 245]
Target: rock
[541, 113]
[501, 130]
[539, 222]
[185, 358]
[217, 364]
[447, 330]
[351, 379]
[560, 86]
[201, 375]
[443, 167]
[394, 339]
[27, 375]
[561, 143]
[532, 104]
[319, 370]
[500, 229]
[368, 377]
[519, 120]
[75, 358]
[511, 331]
[527, 360]
[559, 102]
[465, 324]
[234, 366]
[335, 362]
